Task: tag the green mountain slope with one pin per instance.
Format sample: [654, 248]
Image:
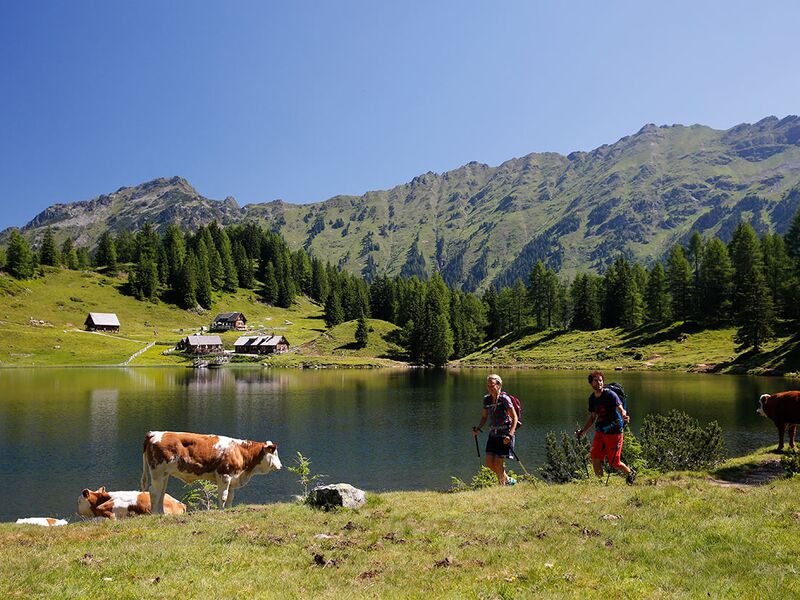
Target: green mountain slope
[479, 224]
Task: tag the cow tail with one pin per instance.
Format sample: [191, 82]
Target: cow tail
[143, 484]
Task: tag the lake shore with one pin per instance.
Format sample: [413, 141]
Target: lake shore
[678, 535]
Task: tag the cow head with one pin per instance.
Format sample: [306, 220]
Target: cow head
[762, 405]
[270, 461]
[89, 500]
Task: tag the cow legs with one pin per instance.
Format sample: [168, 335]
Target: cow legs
[158, 487]
[792, 432]
[229, 501]
[224, 490]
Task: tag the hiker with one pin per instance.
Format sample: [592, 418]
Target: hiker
[609, 418]
[503, 420]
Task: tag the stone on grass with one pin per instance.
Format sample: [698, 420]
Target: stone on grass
[337, 494]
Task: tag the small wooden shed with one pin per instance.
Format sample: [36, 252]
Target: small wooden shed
[102, 322]
[261, 344]
[201, 344]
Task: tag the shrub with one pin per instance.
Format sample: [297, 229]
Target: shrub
[303, 472]
[565, 461]
[632, 453]
[200, 495]
[484, 478]
[677, 442]
[791, 463]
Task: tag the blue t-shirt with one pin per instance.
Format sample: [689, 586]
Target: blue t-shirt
[499, 421]
[608, 418]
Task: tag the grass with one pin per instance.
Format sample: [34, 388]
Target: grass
[679, 346]
[41, 321]
[679, 537]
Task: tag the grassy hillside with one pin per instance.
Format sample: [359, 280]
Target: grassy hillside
[682, 536]
[41, 321]
[679, 346]
[41, 324]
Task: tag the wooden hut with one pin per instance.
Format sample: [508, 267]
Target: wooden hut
[201, 344]
[229, 321]
[102, 322]
[261, 344]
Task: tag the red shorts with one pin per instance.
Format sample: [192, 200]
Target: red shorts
[607, 445]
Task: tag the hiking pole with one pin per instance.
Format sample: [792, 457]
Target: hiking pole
[477, 448]
[524, 470]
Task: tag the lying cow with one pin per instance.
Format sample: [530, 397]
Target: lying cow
[784, 409]
[117, 505]
[191, 456]
[43, 521]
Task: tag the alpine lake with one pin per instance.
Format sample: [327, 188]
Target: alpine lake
[63, 430]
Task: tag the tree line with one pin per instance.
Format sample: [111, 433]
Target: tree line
[750, 282]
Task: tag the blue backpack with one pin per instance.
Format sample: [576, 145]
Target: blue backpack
[620, 392]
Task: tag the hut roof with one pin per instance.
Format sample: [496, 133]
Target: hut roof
[105, 319]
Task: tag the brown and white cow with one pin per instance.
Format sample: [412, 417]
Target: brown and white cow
[191, 456]
[117, 505]
[41, 521]
[784, 409]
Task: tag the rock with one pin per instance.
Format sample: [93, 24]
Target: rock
[337, 494]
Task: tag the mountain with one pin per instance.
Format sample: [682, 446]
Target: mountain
[479, 224]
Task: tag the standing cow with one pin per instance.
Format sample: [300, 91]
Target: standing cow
[192, 456]
[784, 409]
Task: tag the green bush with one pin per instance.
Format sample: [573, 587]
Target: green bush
[677, 442]
[200, 495]
[565, 461]
[484, 478]
[791, 463]
[632, 452]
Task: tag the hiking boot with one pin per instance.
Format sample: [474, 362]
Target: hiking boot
[631, 477]
[511, 481]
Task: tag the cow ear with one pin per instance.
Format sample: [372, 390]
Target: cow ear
[101, 489]
[86, 493]
[271, 447]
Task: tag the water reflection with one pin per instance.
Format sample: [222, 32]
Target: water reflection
[65, 429]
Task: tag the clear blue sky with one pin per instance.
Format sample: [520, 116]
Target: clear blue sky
[305, 100]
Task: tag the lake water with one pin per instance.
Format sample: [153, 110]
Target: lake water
[62, 430]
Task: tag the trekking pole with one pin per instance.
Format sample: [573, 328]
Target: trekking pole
[524, 470]
[477, 448]
[582, 452]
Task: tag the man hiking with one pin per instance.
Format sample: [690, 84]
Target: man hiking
[503, 419]
[609, 418]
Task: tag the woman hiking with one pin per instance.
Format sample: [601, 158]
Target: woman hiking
[499, 411]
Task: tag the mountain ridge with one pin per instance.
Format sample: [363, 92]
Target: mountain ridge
[478, 224]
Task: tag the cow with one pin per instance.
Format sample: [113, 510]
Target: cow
[43, 521]
[784, 409]
[191, 456]
[117, 505]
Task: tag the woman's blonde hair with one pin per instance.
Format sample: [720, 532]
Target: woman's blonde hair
[496, 377]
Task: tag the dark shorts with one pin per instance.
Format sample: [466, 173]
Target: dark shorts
[495, 446]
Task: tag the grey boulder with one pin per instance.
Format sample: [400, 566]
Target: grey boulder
[337, 494]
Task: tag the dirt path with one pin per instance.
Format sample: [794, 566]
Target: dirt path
[757, 474]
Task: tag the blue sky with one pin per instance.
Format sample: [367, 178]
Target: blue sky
[302, 101]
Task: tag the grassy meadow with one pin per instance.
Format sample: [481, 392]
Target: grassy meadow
[41, 324]
[681, 536]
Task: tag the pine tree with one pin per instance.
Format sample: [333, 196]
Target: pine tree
[752, 307]
[106, 254]
[585, 297]
[244, 266]
[679, 276]
[319, 280]
[175, 248]
[204, 293]
[437, 337]
[493, 325]
[716, 283]
[657, 298]
[270, 291]
[187, 282]
[144, 279]
[333, 309]
[84, 261]
[49, 254]
[126, 246]
[779, 274]
[362, 332]
[19, 256]
[231, 275]
[66, 249]
[536, 292]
